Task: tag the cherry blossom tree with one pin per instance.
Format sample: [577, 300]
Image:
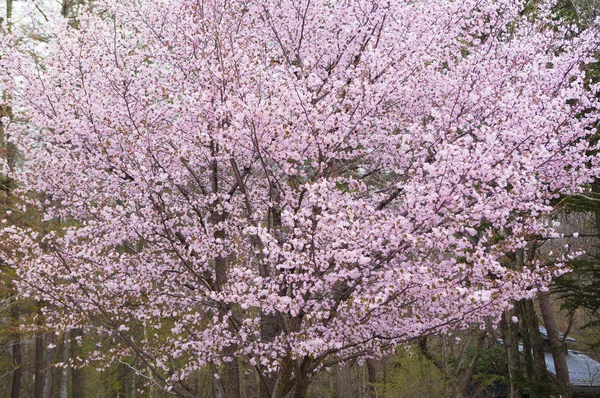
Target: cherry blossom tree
[292, 184]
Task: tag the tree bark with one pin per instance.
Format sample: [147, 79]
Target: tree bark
[15, 391]
[65, 8]
[64, 372]
[527, 349]
[534, 349]
[271, 323]
[282, 383]
[38, 389]
[511, 350]
[372, 378]
[77, 374]
[301, 388]
[596, 189]
[302, 380]
[269, 329]
[133, 379]
[217, 389]
[344, 383]
[232, 374]
[122, 373]
[47, 391]
[556, 346]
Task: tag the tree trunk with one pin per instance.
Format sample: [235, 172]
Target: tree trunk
[217, 389]
[596, 189]
[38, 389]
[533, 346]
[231, 371]
[511, 350]
[15, 391]
[268, 331]
[344, 382]
[302, 381]
[232, 374]
[47, 392]
[372, 378]
[77, 374]
[133, 379]
[385, 365]
[67, 8]
[527, 349]
[66, 5]
[556, 345]
[270, 324]
[122, 373]
[282, 383]
[64, 372]
[301, 389]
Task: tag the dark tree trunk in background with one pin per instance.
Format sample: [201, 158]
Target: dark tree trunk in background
[269, 330]
[77, 374]
[511, 349]
[556, 345]
[372, 379]
[218, 389]
[64, 11]
[64, 372]
[596, 189]
[38, 376]
[15, 391]
[231, 372]
[122, 373]
[47, 392]
[533, 346]
[344, 383]
[38, 369]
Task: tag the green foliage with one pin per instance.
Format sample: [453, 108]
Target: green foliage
[490, 369]
[581, 289]
[581, 12]
[412, 375]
